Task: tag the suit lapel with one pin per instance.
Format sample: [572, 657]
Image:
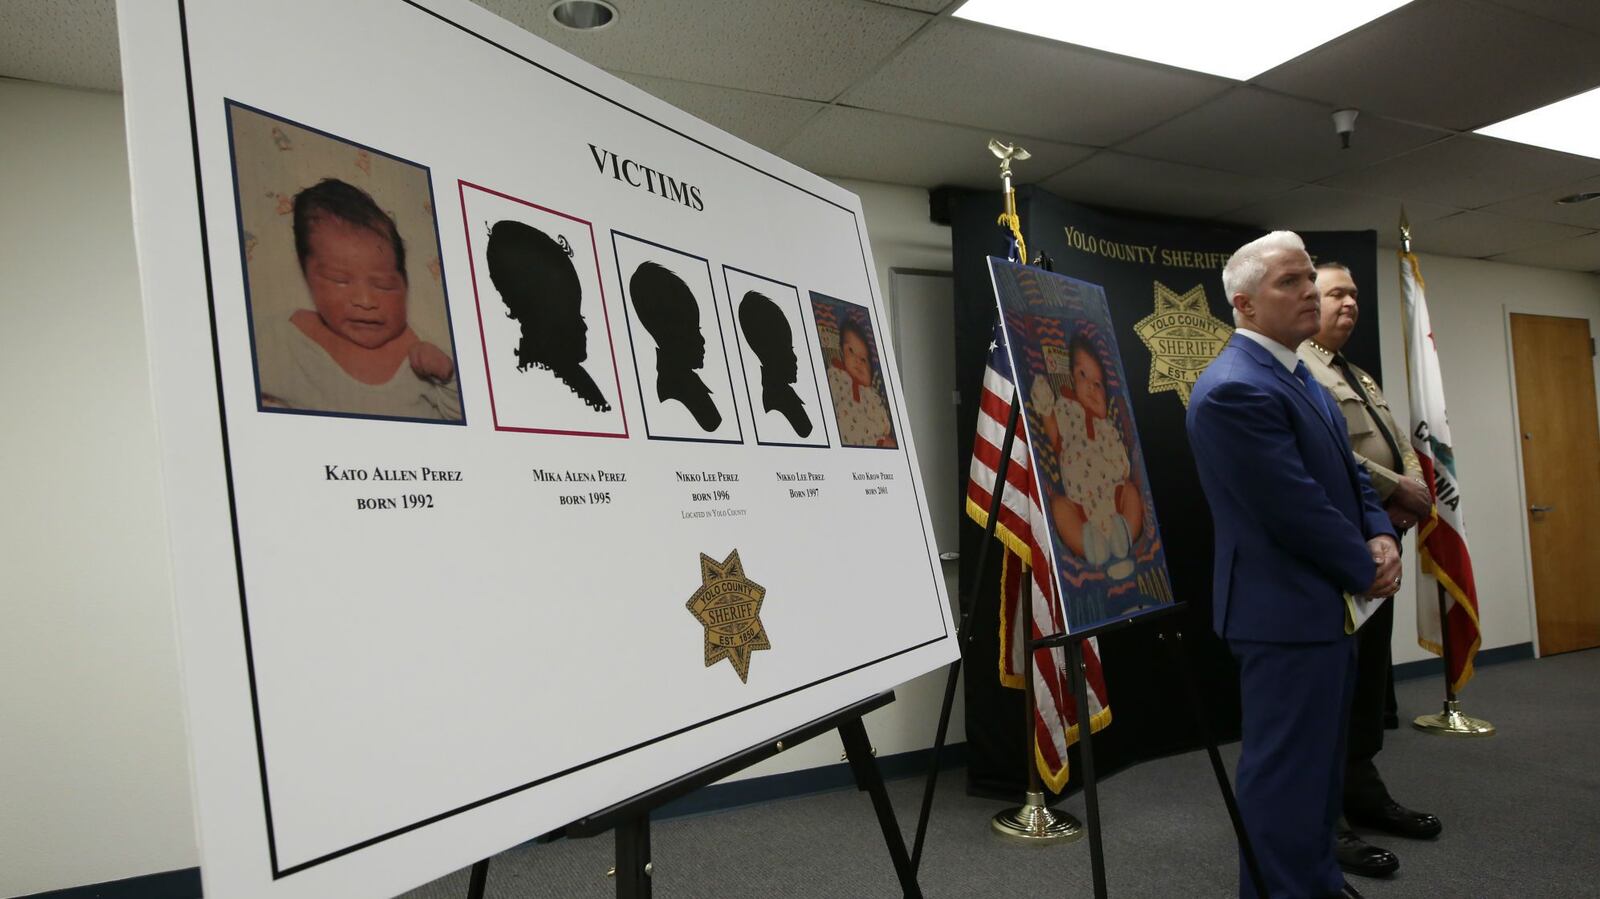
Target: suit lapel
[1260, 354]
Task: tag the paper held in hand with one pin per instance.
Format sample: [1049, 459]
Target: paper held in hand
[1357, 609]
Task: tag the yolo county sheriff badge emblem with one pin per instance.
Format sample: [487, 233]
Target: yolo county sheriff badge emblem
[728, 605]
[1183, 337]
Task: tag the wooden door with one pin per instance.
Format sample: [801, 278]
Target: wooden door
[1561, 467]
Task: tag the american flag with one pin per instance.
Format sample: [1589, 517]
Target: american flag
[1021, 530]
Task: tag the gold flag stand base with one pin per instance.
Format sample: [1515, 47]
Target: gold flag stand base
[1035, 823]
[1451, 722]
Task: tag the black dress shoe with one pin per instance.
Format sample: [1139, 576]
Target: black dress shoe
[1356, 856]
[1349, 892]
[1394, 818]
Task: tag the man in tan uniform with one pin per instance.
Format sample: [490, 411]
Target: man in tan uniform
[1384, 450]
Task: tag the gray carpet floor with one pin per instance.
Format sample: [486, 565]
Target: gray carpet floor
[1521, 813]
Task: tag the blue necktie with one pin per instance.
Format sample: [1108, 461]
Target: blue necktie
[1318, 395]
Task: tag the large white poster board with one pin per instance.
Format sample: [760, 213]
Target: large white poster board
[492, 501]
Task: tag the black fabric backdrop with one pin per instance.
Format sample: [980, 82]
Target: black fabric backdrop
[1150, 714]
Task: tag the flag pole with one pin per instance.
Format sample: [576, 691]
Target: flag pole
[1033, 822]
[1007, 154]
[1449, 721]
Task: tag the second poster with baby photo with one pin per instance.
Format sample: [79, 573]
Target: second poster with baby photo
[1108, 555]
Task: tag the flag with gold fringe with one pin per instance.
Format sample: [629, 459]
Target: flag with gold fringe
[1021, 529]
[1443, 560]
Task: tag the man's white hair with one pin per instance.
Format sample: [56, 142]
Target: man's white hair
[1248, 264]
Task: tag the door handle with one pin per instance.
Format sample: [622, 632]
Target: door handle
[1538, 508]
[949, 557]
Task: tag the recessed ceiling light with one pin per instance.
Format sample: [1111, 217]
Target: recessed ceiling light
[1236, 39]
[583, 15]
[1574, 199]
[1568, 125]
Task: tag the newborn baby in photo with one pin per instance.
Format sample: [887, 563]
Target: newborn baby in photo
[353, 352]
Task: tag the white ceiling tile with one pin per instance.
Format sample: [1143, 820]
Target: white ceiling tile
[1453, 64]
[1542, 206]
[1580, 254]
[875, 146]
[1251, 130]
[1478, 234]
[764, 120]
[71, 42]
[1313, 208]
[987, 77]
[1149, 185]
[811, 50]
[1468, 172]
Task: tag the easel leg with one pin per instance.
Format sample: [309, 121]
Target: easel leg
[964, 632]
[932, 780]
[1091, 796]
[479, 881]
[856, 748]
[633, 858]
[1186, 675]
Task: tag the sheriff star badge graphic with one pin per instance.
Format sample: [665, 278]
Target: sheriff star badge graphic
[1182, 336]
[728, 605]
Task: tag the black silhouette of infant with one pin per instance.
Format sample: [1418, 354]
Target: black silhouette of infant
[767, 331]
[668, 310]
[540, 287]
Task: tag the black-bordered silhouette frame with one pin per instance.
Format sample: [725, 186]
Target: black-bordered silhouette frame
[738, 283]
[670, 417]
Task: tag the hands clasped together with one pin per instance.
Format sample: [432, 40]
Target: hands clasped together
[1386, 555]
[1409, 504]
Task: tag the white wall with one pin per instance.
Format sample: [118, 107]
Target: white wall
[1467, 301]
[94, 782]
[898, 226]
[93, 765]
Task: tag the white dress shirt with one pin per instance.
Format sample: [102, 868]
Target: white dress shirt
[1283, 354]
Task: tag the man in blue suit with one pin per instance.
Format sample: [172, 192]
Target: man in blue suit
[1298, 526]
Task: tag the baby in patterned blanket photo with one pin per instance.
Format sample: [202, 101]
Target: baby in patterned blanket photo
[857, 394]
[1094, 508]
[1101, 512]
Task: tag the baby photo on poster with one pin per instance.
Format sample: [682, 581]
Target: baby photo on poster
[775, 358]
[343, 277]
[547, 338]
[679, 353]
[1107, 549]
[855, 373]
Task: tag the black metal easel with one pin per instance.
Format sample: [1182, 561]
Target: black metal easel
[964, 631]
[1073, 644]
[630, 820]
